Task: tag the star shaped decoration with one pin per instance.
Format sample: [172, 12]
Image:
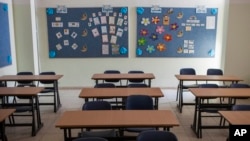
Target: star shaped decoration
[167, 37]
[161, 47]
[153, 36]
[150, 49]
[142, 41]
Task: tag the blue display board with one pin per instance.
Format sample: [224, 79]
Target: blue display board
[5, 48]
[87, 32]
[176, 32]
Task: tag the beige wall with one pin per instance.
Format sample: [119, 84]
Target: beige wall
[238, 38]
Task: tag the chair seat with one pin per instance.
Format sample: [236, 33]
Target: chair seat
[23, 109]
[98, 133]
[190, 86]
[47, 90]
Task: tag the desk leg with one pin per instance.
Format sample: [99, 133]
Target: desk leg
[149, 82]
[180, 96]
[3, 135]
[156, 103]
[33, 117]
[67, 134]
[194, 125]
[57, 101]
[38, 114]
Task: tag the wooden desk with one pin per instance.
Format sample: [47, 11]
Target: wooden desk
[4, 113]
[201, 93]
[124, 76]
[115, 119]
[55, 78]
[236, 118]
[182, 78]
[87, 93]
[29, 92]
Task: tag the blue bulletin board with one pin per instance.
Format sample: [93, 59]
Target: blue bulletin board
[5, 48]
[87, 32]
[176, 32]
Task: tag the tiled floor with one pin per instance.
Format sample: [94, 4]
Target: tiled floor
[70, 101]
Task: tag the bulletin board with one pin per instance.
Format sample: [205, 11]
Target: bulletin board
[5, 48]
[176, 32]
[87, 32]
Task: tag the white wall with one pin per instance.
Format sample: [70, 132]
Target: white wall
[78, 72]
[11, 69]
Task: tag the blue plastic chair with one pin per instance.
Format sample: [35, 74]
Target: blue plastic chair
[155, 135]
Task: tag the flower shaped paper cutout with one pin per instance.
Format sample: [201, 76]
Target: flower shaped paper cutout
[155, 20]
[139, 51]
[154, 36]
[140, 10]
[5, 7]
[214, 11]
[167, 37]
[145, 21]
[52, 54]
[174, 26]
[144, 32]
[161, 47]
[123, 50]
[50, 11]
[124, 10]
[142, 41]
[160, 29]
[150, 49]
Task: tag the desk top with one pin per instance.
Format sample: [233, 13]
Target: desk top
[29, 77]
[236, 117]
[20, 91]
[117, 118]
[4, 113]
[102, 76]
[119, 92]
[220, 92]
[208, 78]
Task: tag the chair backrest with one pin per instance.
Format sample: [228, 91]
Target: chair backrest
[187, 71]
[156, 135]
[90, 139]
[214, 72]
[139, 102]
[47, 81]
[2, 84]
[239, 85]
[104, 85]
[136, 80]
[140, 85]
[208, 86]
[112, 72]
[241, 108]
[24, 82]
[96, 105]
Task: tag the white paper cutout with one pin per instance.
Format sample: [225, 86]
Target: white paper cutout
[58, 19]
[105, 49]
[65, 42]
[104, 29]
[58, 46]
[66, 31]
[57, 24]
[74, 46]
[119, 32]
[73, 24]
[96, 21]
[95, 32]
[113, 39]
[112, 29]
[59, 35]
[105, 38]
[74, 35]
[210, 22]
[119, 21]
[103, 20]
[111, 20]
[93, 15]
